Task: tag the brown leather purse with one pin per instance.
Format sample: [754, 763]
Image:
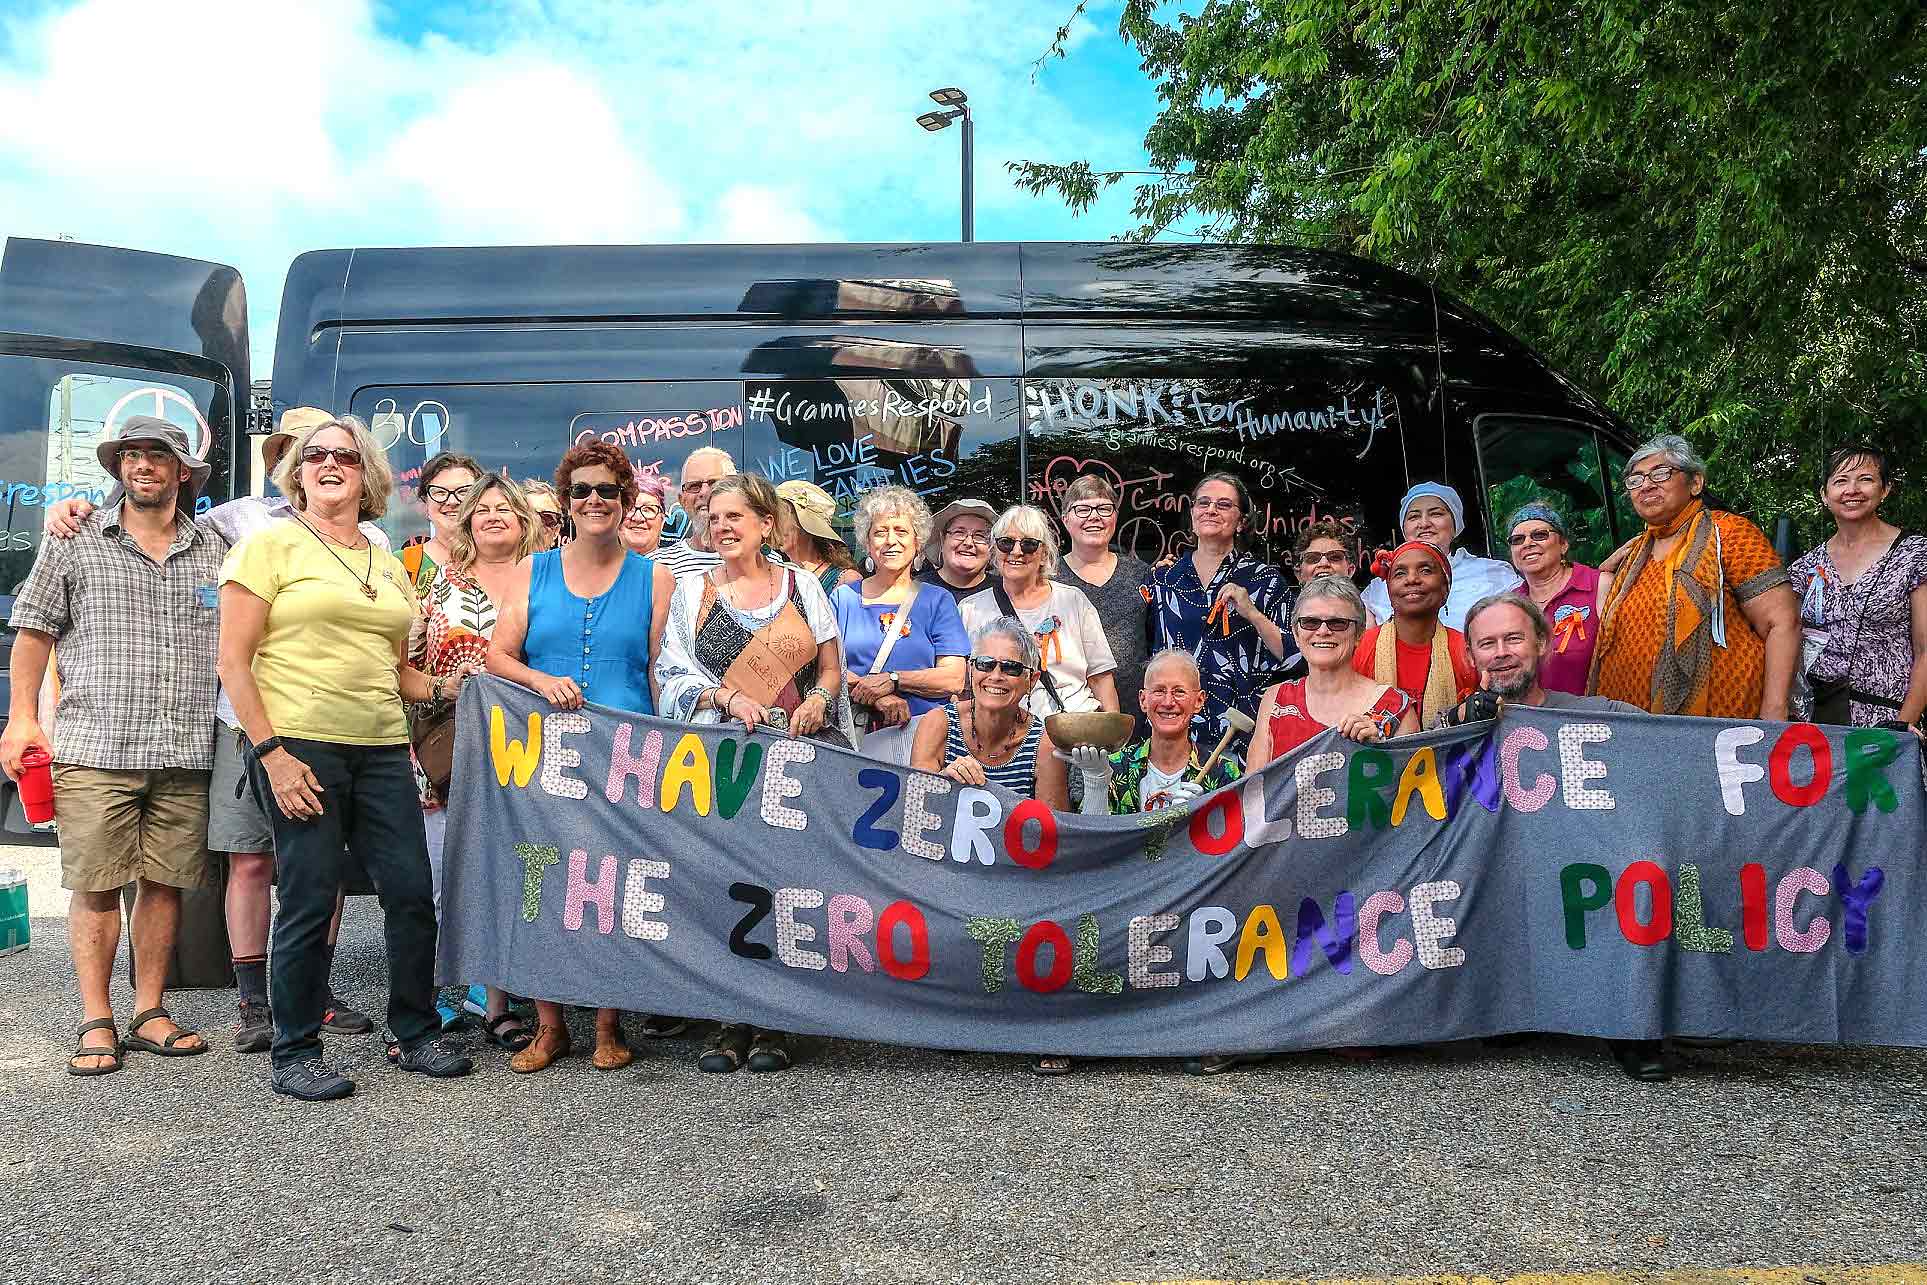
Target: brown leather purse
[431, 732]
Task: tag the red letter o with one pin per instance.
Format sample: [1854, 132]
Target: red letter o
[1041, 933]
[1779, 765]
[1046, 850]
[1228, 803]
[902, 912]
[1650, 874]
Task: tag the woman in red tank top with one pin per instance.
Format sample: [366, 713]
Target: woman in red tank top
[1326, 621]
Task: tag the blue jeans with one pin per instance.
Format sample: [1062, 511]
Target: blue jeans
[370, 809]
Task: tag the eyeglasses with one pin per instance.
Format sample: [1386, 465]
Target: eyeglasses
[583, 490]
[1220, 505]
[446, 494]
[1092, 512]
[646, 512]
[551, 520]
[1006, 544]
[1324, 624]
[346, 456]
[1010, 668]
[154, 455]
[979, 538]
[1335, 558]
[1541, 536]
[1651, 477]
[697, 488]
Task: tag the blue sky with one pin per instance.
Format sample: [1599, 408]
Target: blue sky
[246, 131]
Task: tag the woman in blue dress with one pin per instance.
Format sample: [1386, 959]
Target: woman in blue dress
[584, 623]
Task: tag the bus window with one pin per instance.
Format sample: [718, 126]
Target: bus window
[1625, 519]
[1526, 458]
[57, 412]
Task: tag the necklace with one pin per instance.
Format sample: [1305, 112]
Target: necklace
[1563, 579]
[997, 753]
[366, 579]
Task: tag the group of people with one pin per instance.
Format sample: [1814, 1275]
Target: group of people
[256, 683]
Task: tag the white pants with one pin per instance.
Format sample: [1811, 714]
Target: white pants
[436, 825]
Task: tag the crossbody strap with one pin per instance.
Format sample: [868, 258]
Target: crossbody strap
[1009, 608]
[890, 635]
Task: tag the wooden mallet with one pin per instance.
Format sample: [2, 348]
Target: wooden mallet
[1234, 724]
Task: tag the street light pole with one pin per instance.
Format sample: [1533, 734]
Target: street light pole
[934, 122]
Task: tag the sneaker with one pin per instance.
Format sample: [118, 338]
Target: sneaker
[662, 1026]
[475, 1002]
[451, 1017]
[435, 1059]
[339, 1019]
[255, 1032]
[312, 1081]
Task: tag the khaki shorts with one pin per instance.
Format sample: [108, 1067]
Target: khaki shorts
[116, 827]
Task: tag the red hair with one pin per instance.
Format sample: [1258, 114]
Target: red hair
[590, 454]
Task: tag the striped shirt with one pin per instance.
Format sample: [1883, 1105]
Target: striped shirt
[1019, 776]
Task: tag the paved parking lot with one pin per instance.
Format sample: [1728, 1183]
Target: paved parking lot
[894, 1164]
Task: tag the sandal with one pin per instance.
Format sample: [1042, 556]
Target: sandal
[514, 1040]
[169, 1047]
[1051, 1064]
[612, 1052]
[1219, 1063]
[726, 1050]
[84, 1049]
[769, 1051]
[550, 1044]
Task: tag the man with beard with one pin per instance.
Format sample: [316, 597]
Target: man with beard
[1506, 634]
[132, 603]
[706, 466]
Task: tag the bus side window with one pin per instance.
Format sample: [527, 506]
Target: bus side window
[1529, 458]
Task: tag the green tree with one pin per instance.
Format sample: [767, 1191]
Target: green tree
[1711, 212]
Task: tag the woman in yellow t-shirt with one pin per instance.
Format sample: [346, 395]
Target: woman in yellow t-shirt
[314, 620]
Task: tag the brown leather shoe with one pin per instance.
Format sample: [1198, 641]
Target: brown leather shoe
[612, 1053]
[550, 1043]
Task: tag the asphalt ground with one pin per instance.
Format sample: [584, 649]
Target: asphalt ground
[876, 1163]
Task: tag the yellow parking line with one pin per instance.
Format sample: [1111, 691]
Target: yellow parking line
[1882, 1274]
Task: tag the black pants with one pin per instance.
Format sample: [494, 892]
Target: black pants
[369, 805]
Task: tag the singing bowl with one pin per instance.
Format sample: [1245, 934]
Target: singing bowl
[1106, 729]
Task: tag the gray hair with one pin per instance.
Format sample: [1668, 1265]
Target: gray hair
[377, 480]
[888, 501]
[1025, 520]
[707, 453]
[1175, 656]
[1540, 625]
[1017, 632]
[1332, 589]
[1678, 452]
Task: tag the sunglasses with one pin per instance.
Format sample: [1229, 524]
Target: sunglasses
[583, 490]
[346, 456]
[1010, 668]
[1006, 544]
[446, 494]
[1333, 558]
[1541, 536]
[1325, 624]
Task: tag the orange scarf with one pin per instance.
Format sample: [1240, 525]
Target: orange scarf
[1695, 592]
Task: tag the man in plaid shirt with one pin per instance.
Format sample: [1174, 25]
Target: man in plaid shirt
[131, 603]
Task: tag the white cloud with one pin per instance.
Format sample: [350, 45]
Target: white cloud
[247, 131]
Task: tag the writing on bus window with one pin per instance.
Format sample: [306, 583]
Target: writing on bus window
[847, 469]
[640, 428]
[1162, 412]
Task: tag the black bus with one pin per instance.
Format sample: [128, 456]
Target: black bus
[1002, 371]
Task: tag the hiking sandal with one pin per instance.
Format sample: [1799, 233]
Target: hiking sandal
[85, 1050]
[515, 1040]
[769, 1052]
[1050, 1064]
[169, 1047]
[727, 1049]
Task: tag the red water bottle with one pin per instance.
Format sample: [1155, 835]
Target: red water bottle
[36, 785]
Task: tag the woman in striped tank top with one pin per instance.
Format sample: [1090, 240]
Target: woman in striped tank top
[987, 735]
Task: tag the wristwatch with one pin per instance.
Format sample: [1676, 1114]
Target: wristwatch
[896, 681]
[264, 748]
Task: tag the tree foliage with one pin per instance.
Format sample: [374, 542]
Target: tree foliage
[1711, 212]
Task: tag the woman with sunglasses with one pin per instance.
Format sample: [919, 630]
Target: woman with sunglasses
[314, 630]
[753, 642]
[1328, 620]
[584, 623]
[642, 524]
[494, 532]
[1415, 651]
[1079, 672]
[1116, 583]
[1570, 593]
[1325, 548]
[445, 483]
[1222, 605]
[547, 507]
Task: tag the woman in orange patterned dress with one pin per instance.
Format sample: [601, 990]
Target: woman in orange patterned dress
[1700, 619]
